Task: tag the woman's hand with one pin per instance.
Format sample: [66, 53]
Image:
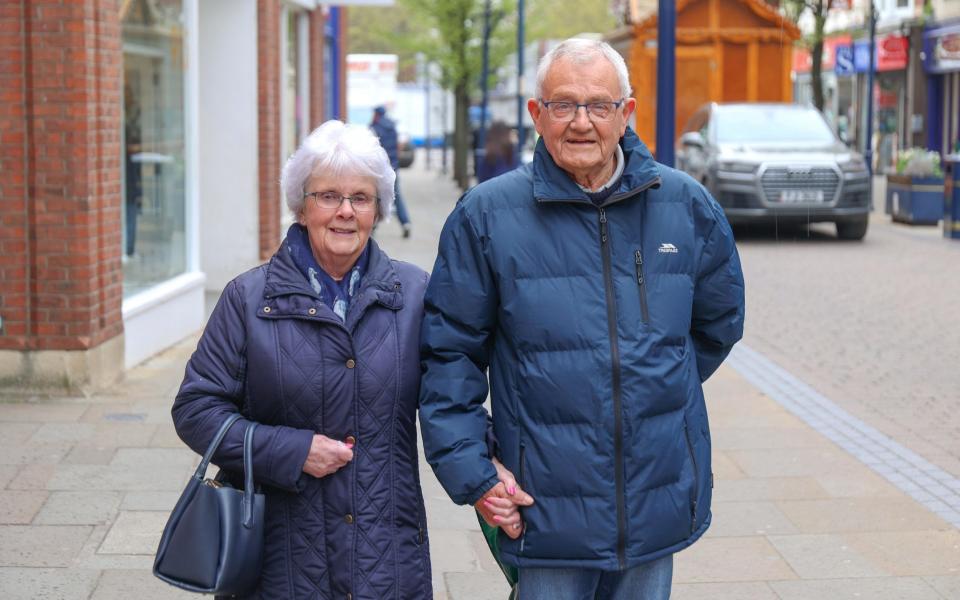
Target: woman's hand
[499, 506]
[326, 456]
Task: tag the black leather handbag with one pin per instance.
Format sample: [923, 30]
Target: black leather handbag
[213, 541]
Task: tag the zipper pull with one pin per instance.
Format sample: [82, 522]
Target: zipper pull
[638, 258]
[603, 226]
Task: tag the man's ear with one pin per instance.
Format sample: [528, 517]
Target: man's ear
[535, 109]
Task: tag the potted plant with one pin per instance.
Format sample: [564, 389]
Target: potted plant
[915, 192]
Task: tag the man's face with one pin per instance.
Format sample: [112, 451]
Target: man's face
[584, 147]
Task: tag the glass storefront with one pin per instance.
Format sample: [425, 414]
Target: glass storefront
[154, 207]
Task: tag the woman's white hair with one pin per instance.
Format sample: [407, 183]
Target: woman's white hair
[581, 51]
[335, 149]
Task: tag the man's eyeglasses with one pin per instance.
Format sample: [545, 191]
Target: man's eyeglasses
[564, 110]
[332, 200]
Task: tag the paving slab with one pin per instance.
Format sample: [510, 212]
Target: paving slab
[722, 591]
[825, 556]
[884, 588]
[18, 507]
[7, 473]
[859, 515]
[18, 583]
[21, 454]
[79, 508]
[731, 559]
[126, 584]
[947, 586]
[117, 478]
[772, 488]
[475, 586]
[135, 532]
[935, 552]
[25, 546]
[17, 433]
[738, 519]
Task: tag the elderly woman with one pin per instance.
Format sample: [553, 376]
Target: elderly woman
[320, 348]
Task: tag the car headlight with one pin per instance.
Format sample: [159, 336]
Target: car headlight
[736, 167]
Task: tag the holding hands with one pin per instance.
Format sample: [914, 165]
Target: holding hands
[327, 456]
[499, 507]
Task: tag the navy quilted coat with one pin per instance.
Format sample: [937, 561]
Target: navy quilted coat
[275, 352]
[597, 325]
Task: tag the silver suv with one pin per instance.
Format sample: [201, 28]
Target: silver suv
[776, 162]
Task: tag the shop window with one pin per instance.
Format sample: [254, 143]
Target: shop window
[295, 80]
[153, 212]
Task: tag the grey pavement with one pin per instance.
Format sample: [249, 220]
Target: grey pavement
[86, 483]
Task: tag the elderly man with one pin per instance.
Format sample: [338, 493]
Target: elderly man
[600, 289]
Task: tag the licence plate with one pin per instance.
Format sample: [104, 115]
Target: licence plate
[798, 196]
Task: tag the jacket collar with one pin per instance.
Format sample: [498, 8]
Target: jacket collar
[287, 293]
[553, 184]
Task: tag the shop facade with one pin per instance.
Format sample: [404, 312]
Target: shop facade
[941, 43]
[141, 148]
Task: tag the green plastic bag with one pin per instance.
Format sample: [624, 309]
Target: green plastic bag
[490, 534]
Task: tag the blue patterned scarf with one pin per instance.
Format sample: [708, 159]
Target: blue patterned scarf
[335, 294]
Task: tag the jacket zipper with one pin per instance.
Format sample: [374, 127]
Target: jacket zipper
[615, 368]
[523, 486]
[696, 479]
[638, 259]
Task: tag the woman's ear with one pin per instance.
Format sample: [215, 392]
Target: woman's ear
[302, 220]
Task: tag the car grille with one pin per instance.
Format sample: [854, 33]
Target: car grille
[777, 179]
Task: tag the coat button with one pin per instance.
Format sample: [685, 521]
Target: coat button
[348, 519]
[349, 596]
[266, 309]
[312, 311]
[351, 363]
[351, 440]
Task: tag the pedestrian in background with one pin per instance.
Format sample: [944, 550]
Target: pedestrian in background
[597, 289]
[499, 152]
[320, 347]
[386, 130]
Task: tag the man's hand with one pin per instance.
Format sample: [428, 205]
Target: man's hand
[499, 506]
[326, 456]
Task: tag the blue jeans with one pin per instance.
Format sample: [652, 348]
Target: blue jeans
[398, 202]
[649, 581]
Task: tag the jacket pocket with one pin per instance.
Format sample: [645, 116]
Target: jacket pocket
[642, 285]
[696, 478]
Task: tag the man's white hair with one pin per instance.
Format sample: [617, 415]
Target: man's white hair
[335, 149]
[581, 51]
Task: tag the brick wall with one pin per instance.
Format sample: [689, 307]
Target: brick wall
[268, 100]
[60, 105]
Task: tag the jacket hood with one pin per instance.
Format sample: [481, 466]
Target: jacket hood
[553, 184]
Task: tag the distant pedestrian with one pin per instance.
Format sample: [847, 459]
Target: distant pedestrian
[499, 152]
[385, 129]
[319, 346]
[590, 293]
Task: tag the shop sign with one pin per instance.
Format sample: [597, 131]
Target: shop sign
[802, 62]
[843, 65]
[891, 54]
[946, 52]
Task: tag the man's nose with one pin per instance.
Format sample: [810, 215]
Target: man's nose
[581, 120]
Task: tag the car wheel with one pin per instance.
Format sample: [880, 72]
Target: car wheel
[852, 230]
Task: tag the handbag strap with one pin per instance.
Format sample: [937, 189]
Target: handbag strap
[208, 455]
[248, 475]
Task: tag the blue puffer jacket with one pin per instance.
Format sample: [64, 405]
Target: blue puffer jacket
[275, 352]
[598, 326]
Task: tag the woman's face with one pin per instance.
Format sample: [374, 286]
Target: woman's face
[338, 235]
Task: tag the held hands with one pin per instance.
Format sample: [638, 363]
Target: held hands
[499, 506]
[326, 456]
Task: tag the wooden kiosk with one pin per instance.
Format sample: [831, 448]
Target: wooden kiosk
[727, 51]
